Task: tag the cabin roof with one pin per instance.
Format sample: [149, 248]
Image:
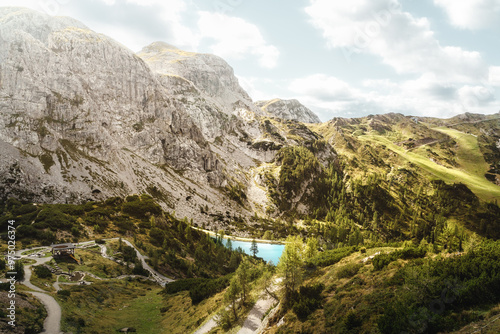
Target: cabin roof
[63, 246]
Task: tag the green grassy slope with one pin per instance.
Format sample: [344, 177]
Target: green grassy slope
[471, 174]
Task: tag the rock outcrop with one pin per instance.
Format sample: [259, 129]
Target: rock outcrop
[288, 109]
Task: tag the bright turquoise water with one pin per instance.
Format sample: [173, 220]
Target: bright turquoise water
[269, 252]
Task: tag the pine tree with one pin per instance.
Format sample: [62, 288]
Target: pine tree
[289, 266]
[243, 276]
[254, 248]
[232, 295]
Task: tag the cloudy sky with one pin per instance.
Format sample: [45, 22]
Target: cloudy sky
[339, 58]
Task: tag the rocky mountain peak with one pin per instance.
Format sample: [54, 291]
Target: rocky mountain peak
[288, 109]
[209, 73]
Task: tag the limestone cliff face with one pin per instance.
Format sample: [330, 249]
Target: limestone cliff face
[288, 109]
[207, 87]
[80, 114]
[84, 118]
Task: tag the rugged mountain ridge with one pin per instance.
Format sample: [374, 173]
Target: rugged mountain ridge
[83, 118]
[289, 110]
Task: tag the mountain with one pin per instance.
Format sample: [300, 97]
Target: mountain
[83, 118]
[288, 109]
[131, 143]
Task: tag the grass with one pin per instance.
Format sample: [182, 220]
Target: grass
[142, 313]
[477, 183]
[468, 153]
[105, 307]
[183, 317]
[43, 282]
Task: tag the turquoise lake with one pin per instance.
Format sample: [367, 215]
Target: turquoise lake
[269, 252]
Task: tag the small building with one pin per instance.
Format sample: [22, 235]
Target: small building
[63, 249]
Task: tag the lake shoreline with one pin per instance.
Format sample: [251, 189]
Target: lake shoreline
[261, 241]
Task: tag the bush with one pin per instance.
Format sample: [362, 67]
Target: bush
[42, 272]
[307, 300]
[139, 208]
[410, 253]
[207, 288]
[349, 270]
[199, 288]
[352, 321]
[64, 293]
[330, 257]
[157, 236]
[382, 260]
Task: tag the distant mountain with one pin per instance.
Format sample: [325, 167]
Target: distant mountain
[288, 109]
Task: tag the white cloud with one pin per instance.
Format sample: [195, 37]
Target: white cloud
[137, 23]
[382, 28]
[494, 76]
[427, 95]
[236, 38]
[250, 86]
[323, 88]
[471, 14]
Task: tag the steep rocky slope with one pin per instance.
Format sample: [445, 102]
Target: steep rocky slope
[82, 117]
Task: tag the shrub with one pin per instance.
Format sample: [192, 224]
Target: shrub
[352, 321]
[42, 272]
[64, 293]
[382, 260]
[330, 257]
[139, 208]
[307, 300]
[349, 270]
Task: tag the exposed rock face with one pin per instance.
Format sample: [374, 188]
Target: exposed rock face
[288, 109]
[206, 85]
[82, 116]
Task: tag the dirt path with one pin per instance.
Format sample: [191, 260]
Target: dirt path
[254, 319]
[207, 327]
[253, 322]
[52, 323]
[162, 280]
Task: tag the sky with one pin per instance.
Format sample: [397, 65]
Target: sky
[339, 58]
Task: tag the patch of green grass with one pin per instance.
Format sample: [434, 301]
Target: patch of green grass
[93, 262]
[107, 306]
[47, 161]
[477, 183]
[183, 317]
[143, 313]
[469, 155]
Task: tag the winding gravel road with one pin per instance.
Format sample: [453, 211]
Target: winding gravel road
[52, 323]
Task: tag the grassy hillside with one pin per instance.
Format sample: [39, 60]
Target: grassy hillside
[395, 290]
